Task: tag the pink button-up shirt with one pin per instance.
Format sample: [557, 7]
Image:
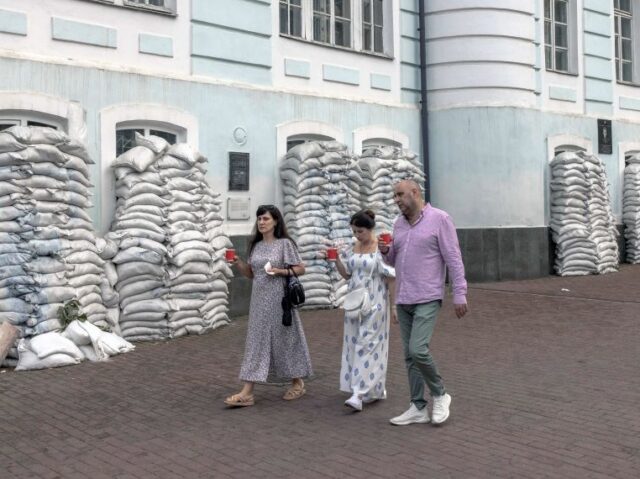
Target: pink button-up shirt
[420, 252]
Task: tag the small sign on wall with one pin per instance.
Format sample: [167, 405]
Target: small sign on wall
[238, 208]
[604, 137]
[238, 171]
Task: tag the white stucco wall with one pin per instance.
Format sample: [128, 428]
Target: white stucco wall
[128, 24]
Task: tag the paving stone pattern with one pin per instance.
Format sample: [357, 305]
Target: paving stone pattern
[545, 384]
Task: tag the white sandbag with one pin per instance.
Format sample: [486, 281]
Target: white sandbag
[76, 333]
[138, 268]
[137, 254]
[154, 143]
[138, 158]
[113, 344]
[29, 361]
[54, 343]
[147, 306]
[106, 248]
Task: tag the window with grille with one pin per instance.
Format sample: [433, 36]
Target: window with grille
[291, 17]
[372, 26]
[296, 140]
[125, 137]
[8, 122]
[556, 35]
[623, 39]
[333, 22]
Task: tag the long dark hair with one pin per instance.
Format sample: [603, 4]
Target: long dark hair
[364, 219]
[280, 231]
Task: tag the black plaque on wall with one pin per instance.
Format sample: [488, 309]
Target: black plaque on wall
[604, 137]
[238, 171]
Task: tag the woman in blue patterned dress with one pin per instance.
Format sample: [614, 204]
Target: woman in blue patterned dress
[365, 347]
[272, 350]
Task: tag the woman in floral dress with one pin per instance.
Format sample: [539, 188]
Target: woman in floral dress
[365, 347]
[272, 350]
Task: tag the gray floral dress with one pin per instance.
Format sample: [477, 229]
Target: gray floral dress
[273, 351]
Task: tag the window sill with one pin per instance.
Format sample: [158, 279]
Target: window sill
[560, 72]
[142, 8]
[382, 56]
[626, 83]
[149, 8]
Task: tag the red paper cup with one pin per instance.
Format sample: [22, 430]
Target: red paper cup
[386, 238]
[230, 254]
[332, 254]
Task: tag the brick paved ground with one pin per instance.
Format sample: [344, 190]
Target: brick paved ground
[545, 383]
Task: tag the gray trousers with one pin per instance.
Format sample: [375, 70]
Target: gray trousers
[417, 322]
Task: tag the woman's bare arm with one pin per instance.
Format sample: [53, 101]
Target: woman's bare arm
[341, 269]
[243, 267]
[297, 268]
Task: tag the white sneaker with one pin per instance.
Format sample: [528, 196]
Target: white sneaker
[440, 411]
[355, 402]
[411, 416]
[366, 400]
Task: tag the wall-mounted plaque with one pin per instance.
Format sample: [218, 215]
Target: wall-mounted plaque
[238, 208]
[238, 171]
[604, 137]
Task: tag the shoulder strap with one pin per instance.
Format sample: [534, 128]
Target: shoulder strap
[293, 272]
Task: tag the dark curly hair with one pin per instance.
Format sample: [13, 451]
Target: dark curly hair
[364, 219]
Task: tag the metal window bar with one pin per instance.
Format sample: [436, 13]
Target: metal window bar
[291, 17]
[623, 40]
[556, 31]
[372, 26]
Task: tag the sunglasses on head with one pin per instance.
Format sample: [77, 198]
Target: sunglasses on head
[267, 207]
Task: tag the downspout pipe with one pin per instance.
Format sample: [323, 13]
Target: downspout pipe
[424, 113]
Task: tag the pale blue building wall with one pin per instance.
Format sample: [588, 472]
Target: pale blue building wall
[218, 109]
[489, 166]
[493, 105]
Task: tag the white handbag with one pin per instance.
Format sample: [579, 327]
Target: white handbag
[357, 301]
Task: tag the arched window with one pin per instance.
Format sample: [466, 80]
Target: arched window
[378, 142]
[126, 132]
[378, 135]
[28, 118]
[568, 148]
[39, 109]
[295, 140]
[118, 124]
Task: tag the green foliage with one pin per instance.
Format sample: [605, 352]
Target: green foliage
[69, 312]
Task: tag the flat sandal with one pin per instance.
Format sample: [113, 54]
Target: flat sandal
[240, 401]
[294, 392]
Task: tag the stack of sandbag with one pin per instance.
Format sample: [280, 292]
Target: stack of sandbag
[382, 167]
[320, 190]
[138, 232]
[48, 252]
[631, 209]
[79, 341]
[171, 276]
[581, 222]
[197, 274]
[602, 226]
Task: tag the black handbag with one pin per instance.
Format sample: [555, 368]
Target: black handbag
[293, 296]
[295, 288]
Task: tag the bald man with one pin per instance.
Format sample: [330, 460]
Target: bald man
[424, 244]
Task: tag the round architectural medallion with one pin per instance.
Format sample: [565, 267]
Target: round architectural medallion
[240, 135]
